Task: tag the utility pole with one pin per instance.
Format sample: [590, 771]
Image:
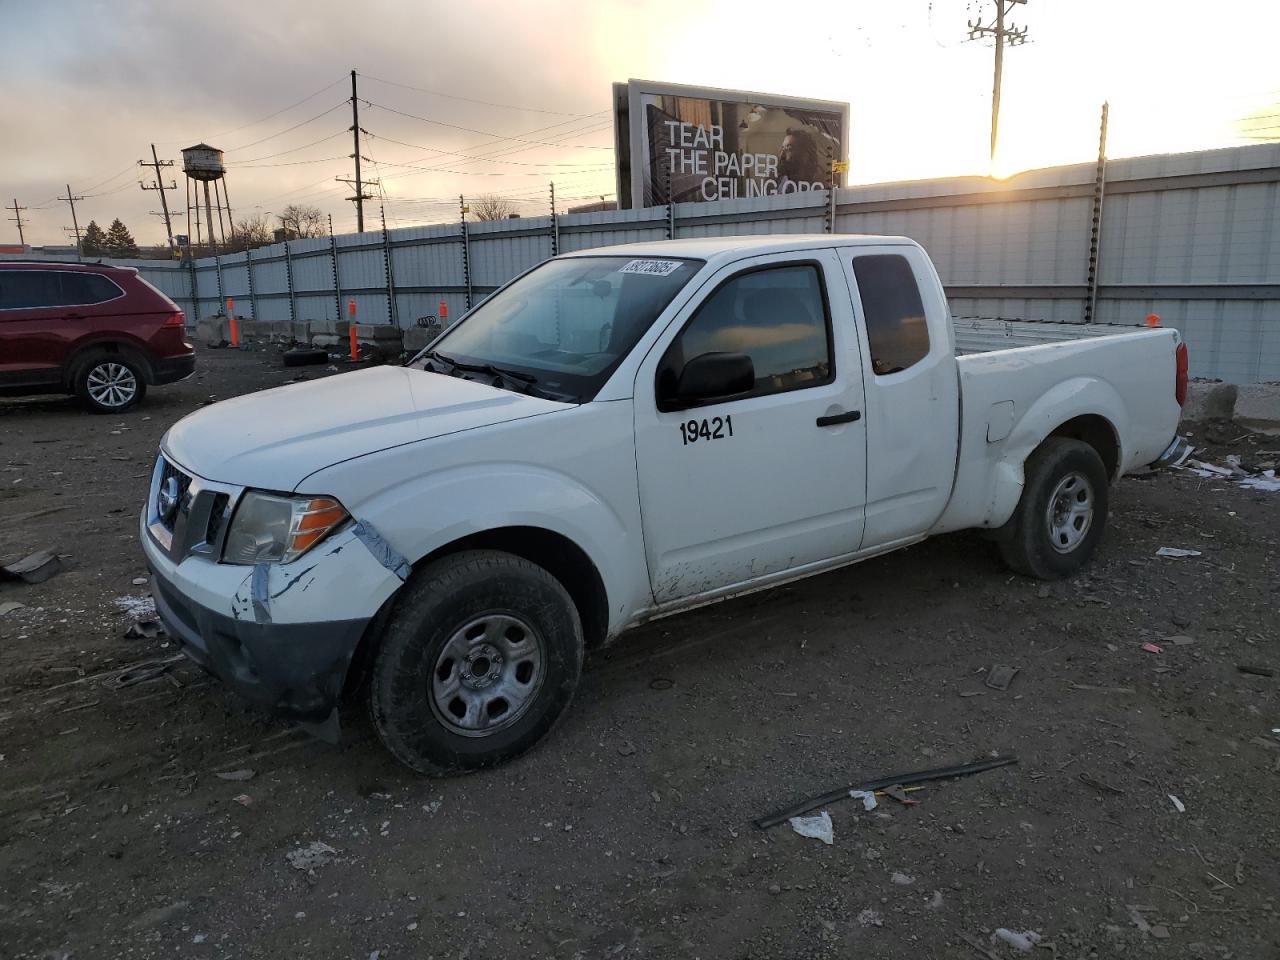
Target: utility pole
[355, 136]
[156, 164]
[17, 218]
[74, 222]
[1013, 35]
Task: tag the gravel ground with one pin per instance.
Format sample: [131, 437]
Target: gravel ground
[628, 833]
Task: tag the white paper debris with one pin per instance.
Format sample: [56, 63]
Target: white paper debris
[140, 608]
[315, 854]
[819, 827]
[1267, 481]
[1178, 804]
[1024, 941]
[1176, 552]
[868, 799]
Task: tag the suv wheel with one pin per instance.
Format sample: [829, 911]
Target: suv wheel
[477, 663]
[110, 383]
[1058, 522]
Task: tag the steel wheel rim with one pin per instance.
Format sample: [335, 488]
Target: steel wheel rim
[487, 675]
[1069, 515]
[112, 384]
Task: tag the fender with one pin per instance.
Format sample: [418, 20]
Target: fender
[1077, 397]
[443, 506]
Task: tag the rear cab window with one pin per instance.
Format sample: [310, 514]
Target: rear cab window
[897, 330]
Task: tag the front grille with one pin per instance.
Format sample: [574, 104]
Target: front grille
[184, 487]
[217, 517]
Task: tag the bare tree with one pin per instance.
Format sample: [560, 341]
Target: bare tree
[299, 220]
[490, 207]
[251, 232]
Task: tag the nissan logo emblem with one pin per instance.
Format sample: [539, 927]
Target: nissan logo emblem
[167, 499]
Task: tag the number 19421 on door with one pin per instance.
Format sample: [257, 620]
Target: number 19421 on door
[716, 428]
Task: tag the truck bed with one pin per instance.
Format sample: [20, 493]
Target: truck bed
[986, 334]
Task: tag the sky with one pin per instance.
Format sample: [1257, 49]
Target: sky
[502, 97]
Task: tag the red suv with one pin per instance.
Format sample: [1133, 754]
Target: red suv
[100, 332]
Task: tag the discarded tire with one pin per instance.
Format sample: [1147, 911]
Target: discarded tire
[305, 357]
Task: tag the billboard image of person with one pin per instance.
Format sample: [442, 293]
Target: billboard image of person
[684, 147]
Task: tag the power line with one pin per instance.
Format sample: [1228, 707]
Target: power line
[254, 123]
[497, 136]
[281, 133]
[487, 103]
[271, 156]
[468, 156]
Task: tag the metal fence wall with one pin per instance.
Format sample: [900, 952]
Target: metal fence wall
[1190, 236]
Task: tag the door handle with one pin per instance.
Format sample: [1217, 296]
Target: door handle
[837, 418]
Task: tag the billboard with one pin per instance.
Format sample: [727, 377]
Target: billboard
[692, 144]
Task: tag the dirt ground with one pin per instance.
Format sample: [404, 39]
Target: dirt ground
[628, 834]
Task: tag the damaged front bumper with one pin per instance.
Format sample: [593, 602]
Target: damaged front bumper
[282, 635]
[295, 670]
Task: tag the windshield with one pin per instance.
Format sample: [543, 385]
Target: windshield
[562, 329]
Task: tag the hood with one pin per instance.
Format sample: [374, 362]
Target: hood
[276, 438]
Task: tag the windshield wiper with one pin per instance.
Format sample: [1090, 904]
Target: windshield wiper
[525, 380]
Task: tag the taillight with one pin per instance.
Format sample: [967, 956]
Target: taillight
[175, 320]
[1180, 374]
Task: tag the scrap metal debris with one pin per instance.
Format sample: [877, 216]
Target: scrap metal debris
[145, 630]
[141, 672]
[34, 568]
[900, 779]
[1176, 552]
[1000, 676]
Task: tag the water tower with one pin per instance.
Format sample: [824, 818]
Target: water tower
[203, 165]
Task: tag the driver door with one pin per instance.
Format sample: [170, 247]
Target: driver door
[773, 477]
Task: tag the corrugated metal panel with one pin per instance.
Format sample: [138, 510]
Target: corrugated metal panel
[1029, 233]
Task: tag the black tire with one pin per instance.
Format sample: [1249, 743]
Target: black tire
[417, 719]
[1062, 514]
[110, 382]
[302, 357]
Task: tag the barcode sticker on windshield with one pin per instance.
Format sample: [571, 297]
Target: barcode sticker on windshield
[652, 268]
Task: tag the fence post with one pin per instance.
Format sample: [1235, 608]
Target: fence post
[253, 296]
[466, 249]
[195, 290]
[222, 296]
[555, 223]
[337, 285]
[288, 282]
[393, 312]
[1095, 228]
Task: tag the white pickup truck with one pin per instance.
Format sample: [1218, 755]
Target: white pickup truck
[618, 435]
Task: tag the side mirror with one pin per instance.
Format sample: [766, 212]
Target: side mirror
[710, 376]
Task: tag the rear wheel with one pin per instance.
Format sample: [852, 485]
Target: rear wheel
[477, 663]
[1062, 513]
[110, 383]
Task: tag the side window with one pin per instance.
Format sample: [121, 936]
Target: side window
[896, 329]
[28, 289]
[777, 316]
[85, 288]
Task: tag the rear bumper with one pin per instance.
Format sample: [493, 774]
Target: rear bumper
[1177, 451]
[172, 369]
[295, 670]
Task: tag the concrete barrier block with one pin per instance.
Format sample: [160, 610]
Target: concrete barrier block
[1258, 405]
[1209, 401]
[213, 332]
[329, 341]
[415, 338]
[330, 328]
[378, 332]
[253, 329]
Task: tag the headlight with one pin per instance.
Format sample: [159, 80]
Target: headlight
[268, 528]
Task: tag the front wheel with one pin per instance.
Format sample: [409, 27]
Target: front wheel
[477, 663]
[1062, 513]
[110, 383]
